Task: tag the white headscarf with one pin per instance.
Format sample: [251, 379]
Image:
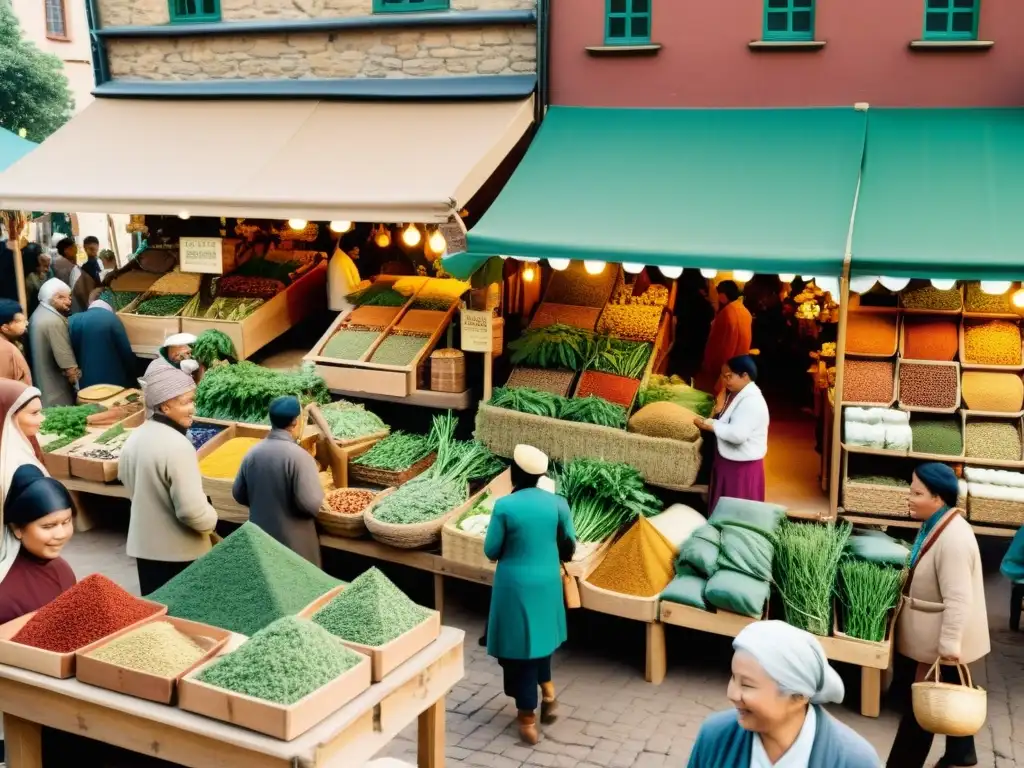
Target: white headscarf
[15, 450]
[101, 304]
[51, 288]
[793, 658]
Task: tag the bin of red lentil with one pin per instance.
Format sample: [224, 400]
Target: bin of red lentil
[45, 641]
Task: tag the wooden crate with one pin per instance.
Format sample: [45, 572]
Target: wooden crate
[306, 295]
[929, 364]
[715, 622]
[617, 604]
[99, 470]
[145, 685]
[145, 333]
[588, 557]
[276, 720]
[49, 663]
[872, 499]
[969, 416]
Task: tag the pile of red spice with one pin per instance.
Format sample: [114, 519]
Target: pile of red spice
[614, 389]
[92, 609]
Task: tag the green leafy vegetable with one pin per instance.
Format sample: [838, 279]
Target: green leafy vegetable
[588, 410]
[675, 390]
[213, 346]
[348, 420]
[164, 305]
[243, 391]
[67, 420]
[118, 300]
[110, 434]
[806, 564]
[564, 346]
[397, 451]
[868, 592]
[603, 497]
[379, 294]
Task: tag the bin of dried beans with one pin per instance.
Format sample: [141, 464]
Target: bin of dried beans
[244, 287]
[929, 386]
[868, 382]
[990, 343]
[996, 440]
[341, 513]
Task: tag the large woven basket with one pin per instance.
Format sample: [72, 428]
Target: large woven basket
[998, 511]
[461, 547]
[347, 526]
[872, 499]
[413, 536]
[949, 709]
[388, 478]
[448, 370]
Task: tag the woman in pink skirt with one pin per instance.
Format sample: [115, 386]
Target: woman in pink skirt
[741, 435]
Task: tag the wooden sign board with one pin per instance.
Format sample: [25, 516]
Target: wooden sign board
[201, 254]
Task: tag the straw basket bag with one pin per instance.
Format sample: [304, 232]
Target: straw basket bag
[949, 709]
[411, 536]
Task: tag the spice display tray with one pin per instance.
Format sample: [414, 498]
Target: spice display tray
[99, 470]
[921, 408]
[284, 722]
[968, 416]
[888, 404]
[921, 311]
[896, 334]
[145, 685]
[388, 657]
[924, 456]
[49, 663]
[968, 366]
[595, 598]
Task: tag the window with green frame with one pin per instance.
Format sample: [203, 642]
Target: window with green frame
[188, 11]
[951, 19]
[627, 22]
[788, 20]
[405, 6]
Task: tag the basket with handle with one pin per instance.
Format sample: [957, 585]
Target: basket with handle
[949, 709]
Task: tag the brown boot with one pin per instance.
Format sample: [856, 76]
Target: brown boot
[528, 726]
[548, 703]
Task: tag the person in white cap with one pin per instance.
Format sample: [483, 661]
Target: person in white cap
[530, 535]
[54, 367]
[176, 353]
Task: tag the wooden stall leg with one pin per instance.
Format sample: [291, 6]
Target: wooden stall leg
[430, 737]
[655, 672]
[23, 742]
[439, 594]
[83, 520]
[870, 691]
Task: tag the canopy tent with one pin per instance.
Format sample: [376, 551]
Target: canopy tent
[306, 159]
[13, 148]
[767, 190]
[942, 195]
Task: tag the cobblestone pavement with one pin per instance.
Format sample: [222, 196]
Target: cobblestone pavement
[609, 715]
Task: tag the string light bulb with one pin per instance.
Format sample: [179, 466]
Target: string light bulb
[436, 242]
[710, 274]
[894, 284]
[411, 236]
[995, 287]
[594, 267]
[673, 273]
[559, 264]
[529, 273]
[943, 285]
[383, 237]
[184, 215]
[862, 284]
[1018, 298]
[742, 275]
[340, 227]
[632, 268]
[297, 224]
[787, 277]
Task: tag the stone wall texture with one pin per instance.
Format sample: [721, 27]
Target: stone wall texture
[116, 13]
[367, 53]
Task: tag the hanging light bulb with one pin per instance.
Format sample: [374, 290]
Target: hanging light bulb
[529, 273]
[786, 277]
[297, 224]
[528, 259]
[995, 287]
[559, 264]
[828, 284]
[632, 268]
[383, 237]
[862, 284]
[1018, 298]
[943, 285]
[894, 283]
[709, 273]
[340, 227]
[436, 242]
[184, 215]
[593, 267]
[411, 235]
[672, 273]
[742, 275]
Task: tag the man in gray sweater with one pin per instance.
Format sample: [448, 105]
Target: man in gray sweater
[280, 483]
[171, 518]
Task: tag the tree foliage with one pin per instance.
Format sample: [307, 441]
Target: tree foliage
[34, 91]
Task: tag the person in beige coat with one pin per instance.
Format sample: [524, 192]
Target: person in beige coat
[943, 616]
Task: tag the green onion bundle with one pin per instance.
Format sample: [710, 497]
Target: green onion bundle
[868, 592]
[603, 497]
[397, 451]
[587, 410]
[806, 565]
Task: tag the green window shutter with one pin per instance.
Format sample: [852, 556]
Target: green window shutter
[951, 19]
[788, 20]
[190, 11]
[405, 6]
[627, 22]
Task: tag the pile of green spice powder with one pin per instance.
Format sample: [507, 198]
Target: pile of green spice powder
[244, 583]
[283, 662]
[371, 611]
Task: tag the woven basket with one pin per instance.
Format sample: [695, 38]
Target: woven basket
[871, 499]
[348, 526]
[414, 536]
[388, 478]
[448, 370]
[461, 547]
[949, 709]
[999, 511]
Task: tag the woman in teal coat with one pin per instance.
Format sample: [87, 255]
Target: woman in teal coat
[530, 535]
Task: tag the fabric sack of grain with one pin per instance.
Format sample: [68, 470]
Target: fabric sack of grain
[700, 551]
[997, 492]
[687, 588]
[756, 515]
[869, 334]
[898, 437]
[746, 551]
[994, 477]
[993, 391]
[855, 413]
[677, 524]
[665, 419]
[738, 593]
[877, 547]
[865, 435]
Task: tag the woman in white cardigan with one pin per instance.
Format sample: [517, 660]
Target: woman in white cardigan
[741, 432]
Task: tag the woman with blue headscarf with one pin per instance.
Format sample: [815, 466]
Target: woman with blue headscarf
[943, 616]
[780, 681]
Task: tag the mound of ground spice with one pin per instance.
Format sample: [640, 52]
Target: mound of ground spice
[930, 338]
[92, 609]
[156, 647]
[870, 334]
[614, 389]
[370, 611]
[638, 564]
[244, 583]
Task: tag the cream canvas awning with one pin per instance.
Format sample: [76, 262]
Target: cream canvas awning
[318, 160]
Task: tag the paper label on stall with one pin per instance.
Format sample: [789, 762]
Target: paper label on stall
[454, 231]
[476, 330]
[201, 254]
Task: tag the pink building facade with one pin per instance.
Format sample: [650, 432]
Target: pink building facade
[684, 53]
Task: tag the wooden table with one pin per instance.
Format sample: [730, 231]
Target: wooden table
[346, 739]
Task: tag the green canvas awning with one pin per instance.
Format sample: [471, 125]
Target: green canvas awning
[768, 190]
[942, 195]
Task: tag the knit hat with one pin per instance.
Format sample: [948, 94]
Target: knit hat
[8, 309]
[284, 410]
[940, 480]
[165, 383]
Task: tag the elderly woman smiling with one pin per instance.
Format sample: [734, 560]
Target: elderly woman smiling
[780, 680]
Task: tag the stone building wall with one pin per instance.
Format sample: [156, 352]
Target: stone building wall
[457, 51]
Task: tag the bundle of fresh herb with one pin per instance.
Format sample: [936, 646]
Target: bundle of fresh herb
[586, 410]
[348, 420]
[806, 564]
[67, 420]
[603, 497]
[213, 346]
[617, 356]
[869, 592]
[243, 391]
[553, 346]
[397, 451]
